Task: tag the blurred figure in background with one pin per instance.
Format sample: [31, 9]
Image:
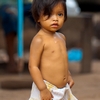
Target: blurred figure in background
[8, 14]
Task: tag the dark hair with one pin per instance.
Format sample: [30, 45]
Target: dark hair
[45, 7]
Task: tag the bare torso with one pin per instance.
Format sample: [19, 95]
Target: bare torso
[53, 64]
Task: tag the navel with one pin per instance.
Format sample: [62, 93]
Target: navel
[64, 78]
[52, 51]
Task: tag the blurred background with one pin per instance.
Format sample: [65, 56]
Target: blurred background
[82, 31]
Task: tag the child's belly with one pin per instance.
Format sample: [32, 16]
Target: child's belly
[54, 69]
[56, 76]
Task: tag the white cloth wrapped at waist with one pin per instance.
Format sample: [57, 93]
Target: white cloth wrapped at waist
[58, 93]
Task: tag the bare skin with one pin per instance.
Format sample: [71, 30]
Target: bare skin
[48, 57]
[54, 60]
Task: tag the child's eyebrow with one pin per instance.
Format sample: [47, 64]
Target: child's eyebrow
[61, 11]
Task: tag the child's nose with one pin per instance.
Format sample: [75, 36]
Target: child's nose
[55, 18]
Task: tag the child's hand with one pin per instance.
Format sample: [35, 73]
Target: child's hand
[70, 81]
[46, 94]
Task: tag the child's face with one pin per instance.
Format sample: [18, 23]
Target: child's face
[55, 21]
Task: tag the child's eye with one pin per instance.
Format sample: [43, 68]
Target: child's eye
[60, 14]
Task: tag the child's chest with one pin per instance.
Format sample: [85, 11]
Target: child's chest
[55, 45]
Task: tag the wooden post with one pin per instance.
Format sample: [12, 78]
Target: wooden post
[86, 44]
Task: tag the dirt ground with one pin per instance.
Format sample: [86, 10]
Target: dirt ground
[18, 87]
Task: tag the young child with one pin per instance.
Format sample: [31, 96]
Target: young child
[48, 64]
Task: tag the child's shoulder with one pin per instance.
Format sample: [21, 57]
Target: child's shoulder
[37, 39]
[62, 35]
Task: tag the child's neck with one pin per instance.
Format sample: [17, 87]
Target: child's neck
[46, 32]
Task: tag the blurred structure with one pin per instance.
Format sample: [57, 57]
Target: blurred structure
[89, 5]
[90, 36]
[73, 8]
[93, 6]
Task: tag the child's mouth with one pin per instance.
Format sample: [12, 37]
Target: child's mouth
[54, 25]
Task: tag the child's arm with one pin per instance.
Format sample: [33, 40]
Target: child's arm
[36, 50]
